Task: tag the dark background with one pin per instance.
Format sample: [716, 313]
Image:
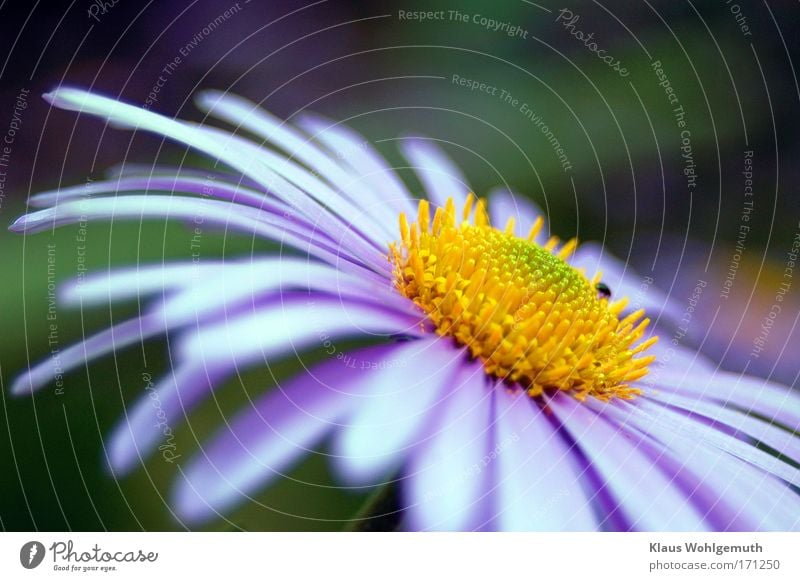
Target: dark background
[391, 77]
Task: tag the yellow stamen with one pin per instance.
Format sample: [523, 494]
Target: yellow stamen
[520, 308]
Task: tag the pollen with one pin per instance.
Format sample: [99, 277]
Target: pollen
[532, 319]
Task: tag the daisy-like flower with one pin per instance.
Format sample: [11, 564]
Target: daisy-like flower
[505, 385]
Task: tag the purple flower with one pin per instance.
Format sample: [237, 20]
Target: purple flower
[502, 386]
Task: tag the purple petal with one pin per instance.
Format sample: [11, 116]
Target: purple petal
[400, 396]
[98, 345]
[300, 188]
[440, 177]
[735, 422]
[261, 443]
[219, 349]
[366, 164]
[775, 402]
[155, 416]
[538, 475]
[295, 321]
[158, 183]
[646, 497]
[236, 152]
[664, 418]
[214, 213]
[448, 483]
[243, 113]
[625, 282]
[240, 284]
[135, 282]
[504, 204]
[733, 495]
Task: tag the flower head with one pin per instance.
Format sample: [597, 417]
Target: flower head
[508, 384]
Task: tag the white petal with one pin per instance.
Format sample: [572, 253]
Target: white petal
[734, 495]
[538, 476]
[222, 348]
[448, 485]
[246, 283]
[662, 418]
[400, 395]
[230, 149]
[440, 177]
[293, 321]
[624, 281]
[740, 424]
[213, 213]
[776, 402]
[504, 204]
[243, 113]
[173, 184]
[647, 498]
[365, 163]
[264, 441]
[117, 337]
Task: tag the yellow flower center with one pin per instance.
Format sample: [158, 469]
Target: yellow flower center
[530, 317]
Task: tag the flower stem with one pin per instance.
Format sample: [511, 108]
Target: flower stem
[381, 512]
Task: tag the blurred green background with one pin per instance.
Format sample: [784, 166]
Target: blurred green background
[390, 75]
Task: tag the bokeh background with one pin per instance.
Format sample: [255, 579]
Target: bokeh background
[731, 64]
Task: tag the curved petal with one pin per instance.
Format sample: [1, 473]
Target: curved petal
[400, 397]
[504, 204]
[264, 441]
[440, 177]
[448, 483]
[160, 183]
[733, 495]
[538, 474]
[107, 341]
[736, 423]
[364, 162]
[249, 283]
[771, 400]
[665, 418]
[232, 150]
[213, 213]
[243, 113]
[311, 318]
[646, 497]
[154, 416]
[624, 281]
[207, 355]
